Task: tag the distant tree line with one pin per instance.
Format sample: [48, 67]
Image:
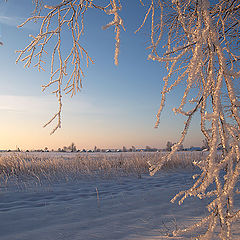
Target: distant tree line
[73, 148]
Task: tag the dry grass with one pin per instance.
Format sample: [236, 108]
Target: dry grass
[25, 168]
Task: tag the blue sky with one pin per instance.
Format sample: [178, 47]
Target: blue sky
[117, 105]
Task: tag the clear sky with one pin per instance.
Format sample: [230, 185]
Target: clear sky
[117, 105]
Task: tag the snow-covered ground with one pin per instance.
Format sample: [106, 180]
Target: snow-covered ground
[94, 208]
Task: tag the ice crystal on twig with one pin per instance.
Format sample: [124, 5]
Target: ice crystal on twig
[202, 54]
[66, 70]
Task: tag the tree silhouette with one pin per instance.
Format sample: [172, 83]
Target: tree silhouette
[169, 146]
[72, 147]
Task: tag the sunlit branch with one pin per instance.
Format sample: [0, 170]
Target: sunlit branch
[66, 70]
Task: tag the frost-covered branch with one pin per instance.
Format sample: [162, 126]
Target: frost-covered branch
[202, 54]
[66, 69]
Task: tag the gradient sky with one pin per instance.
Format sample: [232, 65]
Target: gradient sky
[117, 105]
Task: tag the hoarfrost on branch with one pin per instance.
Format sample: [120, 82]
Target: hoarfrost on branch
[201, 53]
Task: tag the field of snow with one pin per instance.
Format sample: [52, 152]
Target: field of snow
[49, 197]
